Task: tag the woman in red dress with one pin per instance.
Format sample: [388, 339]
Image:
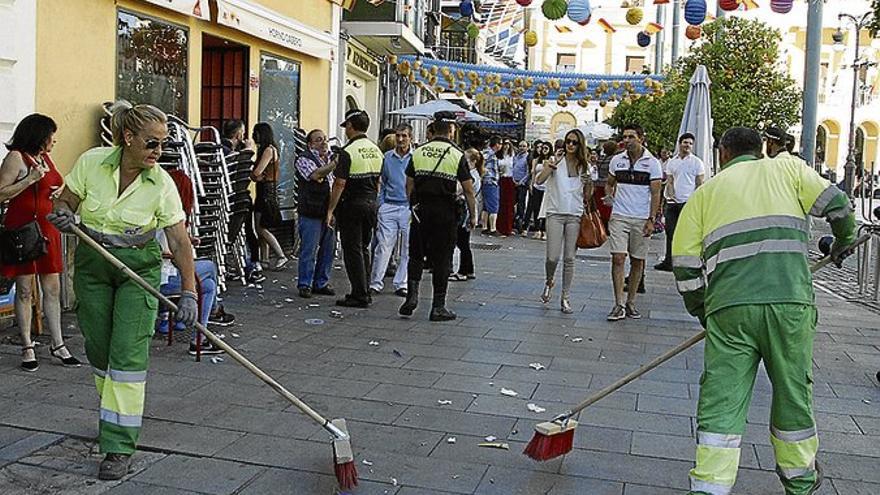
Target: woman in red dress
[29, 181]
[507, 201]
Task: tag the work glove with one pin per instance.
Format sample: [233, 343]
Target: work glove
[63, 220]
[187, 309]
[840, 252]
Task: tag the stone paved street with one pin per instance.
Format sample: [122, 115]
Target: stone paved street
[213, 428]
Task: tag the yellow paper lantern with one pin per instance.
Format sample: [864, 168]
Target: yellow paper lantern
[583, 103]
[434, 70]
[528, 83]
[582, 85]
[403, 68]
[634, 16]
[531, 38]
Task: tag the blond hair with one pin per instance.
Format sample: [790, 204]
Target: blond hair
[132, 117]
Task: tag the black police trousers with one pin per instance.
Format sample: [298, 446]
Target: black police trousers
[432, 236]
[356, 224]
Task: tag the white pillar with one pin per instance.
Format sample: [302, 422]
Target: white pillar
[337, 76]
[18, 54]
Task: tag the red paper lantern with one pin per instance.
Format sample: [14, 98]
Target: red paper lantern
[728, 5]
[524, 3]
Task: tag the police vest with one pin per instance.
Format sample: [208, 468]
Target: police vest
[438, 159]
[366, 159]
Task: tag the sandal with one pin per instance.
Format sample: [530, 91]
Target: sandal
[457, 277]
[546, 294]
[29, 365]
[67, 362]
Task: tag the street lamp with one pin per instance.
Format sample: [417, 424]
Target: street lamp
[858, 23]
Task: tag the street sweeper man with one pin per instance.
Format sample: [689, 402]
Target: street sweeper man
[739, 258]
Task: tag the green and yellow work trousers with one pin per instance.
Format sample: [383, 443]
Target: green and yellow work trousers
[737, 339]
[117, 319]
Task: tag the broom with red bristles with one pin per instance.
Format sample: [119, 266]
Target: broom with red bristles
[556, 437]
[344, 467]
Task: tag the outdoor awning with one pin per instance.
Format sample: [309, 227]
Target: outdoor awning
[248, 17]
[195, 8]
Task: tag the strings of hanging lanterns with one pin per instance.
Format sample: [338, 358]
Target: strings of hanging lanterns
[517, 87]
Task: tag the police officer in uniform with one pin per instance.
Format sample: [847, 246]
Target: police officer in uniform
[432, 173]
[353, 200]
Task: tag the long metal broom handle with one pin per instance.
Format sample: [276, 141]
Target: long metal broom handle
[216, 341]
[675, 351]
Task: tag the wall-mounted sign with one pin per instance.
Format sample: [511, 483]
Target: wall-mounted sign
[271, 26]
[362, 60]
[195, 8]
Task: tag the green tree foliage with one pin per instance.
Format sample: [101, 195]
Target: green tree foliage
[875, 22]
[750, 87]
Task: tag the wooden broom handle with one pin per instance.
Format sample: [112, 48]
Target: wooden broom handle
[216, 341]
[675, 351]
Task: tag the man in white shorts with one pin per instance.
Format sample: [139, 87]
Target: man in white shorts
[634, 179]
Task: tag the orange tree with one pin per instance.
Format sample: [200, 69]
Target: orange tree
[750, 86]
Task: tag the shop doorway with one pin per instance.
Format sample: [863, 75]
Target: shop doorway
[224, 81]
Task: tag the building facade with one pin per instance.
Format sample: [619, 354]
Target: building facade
[565, 46]
[18, 48]
[205, 62]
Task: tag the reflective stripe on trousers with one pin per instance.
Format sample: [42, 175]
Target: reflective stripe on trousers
[717, 463]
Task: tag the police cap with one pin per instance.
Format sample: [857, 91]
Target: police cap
[775, 134]
[351, 114]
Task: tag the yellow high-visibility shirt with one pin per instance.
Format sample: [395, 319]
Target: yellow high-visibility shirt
[151, 202]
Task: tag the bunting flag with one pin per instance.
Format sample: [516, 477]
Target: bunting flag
[346, 4]
[607, 26]
[653, 28]
[661, 2]
[562, 29]
[749, 4]
[375, 3]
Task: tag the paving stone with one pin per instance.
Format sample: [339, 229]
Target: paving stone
[419, 396]
[483, 385]
[179, 408]
[184, 438]
[466, 448]
[54, 419]
[477, 343]
[364, 410]
[636, 421]
[396, 439]
[634, 489]
[292, 424]
[23, 479]
[517, 373]
[382, 374]
[627, 468]
[343, 387]
[199, 474]
[667, 405]
[25, 446]
[385, 358]
[504, 481]
[302, 483]
[870, 426]
[847, 487]
[421, 472]
[558, 393]
[82, 458]
[501, 405]
[135, 488]
[280, 452]
[10, 435]
[454, 367]
[455, 422]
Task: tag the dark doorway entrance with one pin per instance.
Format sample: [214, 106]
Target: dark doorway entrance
[224, 81]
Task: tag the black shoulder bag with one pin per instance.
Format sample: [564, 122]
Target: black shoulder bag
[24, 244]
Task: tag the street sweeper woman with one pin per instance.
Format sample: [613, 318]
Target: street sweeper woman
[122, 197]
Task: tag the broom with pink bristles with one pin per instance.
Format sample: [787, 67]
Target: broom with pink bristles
[344, 467]
[555, 438]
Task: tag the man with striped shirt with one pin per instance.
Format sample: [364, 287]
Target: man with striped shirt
[739, 259]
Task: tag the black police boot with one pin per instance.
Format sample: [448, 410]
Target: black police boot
[412, 298]
[439, 311]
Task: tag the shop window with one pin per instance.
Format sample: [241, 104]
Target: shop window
[279, 107]
[151, 62]
[566, 62]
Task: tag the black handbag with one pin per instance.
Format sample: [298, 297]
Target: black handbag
[24, 244]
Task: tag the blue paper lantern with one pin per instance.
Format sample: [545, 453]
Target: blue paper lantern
[643, 39]
[695, 12]
[579, 10]
[466, 8]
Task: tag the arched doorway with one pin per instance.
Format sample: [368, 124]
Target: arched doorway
[561, 121]
[870, 135]
[832, 143]
[351, 103]
[821, 144]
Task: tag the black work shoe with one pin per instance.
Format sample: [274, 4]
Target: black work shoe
[350, 302]
[401, 292]
[663, 267]
[114, 466]
[305, 293]
[324, 291]
[442, 314]
[207, 348]
[820, 477]
[412, 298]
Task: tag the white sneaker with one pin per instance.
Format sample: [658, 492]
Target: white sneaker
[281, 262]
